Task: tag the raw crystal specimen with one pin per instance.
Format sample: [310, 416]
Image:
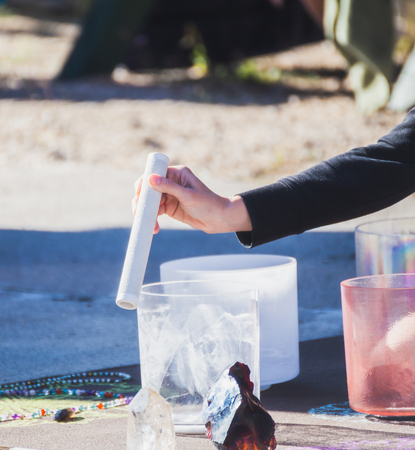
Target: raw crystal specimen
[150, 423]
[234, 418]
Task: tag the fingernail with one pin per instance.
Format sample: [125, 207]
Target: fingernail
[155, 179]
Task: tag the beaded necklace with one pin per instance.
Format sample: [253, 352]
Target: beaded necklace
[52, 386]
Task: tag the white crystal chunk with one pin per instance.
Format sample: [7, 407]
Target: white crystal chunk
[150, 423]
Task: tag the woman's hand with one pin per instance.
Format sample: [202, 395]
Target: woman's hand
[186, 199]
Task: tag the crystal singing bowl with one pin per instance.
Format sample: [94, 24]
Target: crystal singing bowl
[386, 246]
[379, 338]
[189, 333]
[276, 279]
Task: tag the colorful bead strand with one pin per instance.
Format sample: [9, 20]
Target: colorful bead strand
[81, 378]
[51, 386]
[77, 409]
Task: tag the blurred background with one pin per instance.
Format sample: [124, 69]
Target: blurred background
[242, 91]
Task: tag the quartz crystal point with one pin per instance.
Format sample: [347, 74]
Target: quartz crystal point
[150, 423]
[234, 418]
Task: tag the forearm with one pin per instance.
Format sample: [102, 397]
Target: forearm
[356, 183]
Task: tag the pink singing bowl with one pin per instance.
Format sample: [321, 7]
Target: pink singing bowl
[379, 339]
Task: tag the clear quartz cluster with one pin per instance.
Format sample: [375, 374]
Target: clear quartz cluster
[150, 423]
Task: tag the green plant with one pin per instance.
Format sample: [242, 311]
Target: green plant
[5, 11]
[249, 71]
[200, 58]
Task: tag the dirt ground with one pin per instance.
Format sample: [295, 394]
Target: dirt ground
[223, 127]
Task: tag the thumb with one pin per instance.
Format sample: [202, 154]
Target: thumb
[166, 186]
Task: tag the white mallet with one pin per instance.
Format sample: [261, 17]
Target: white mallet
[141, 235]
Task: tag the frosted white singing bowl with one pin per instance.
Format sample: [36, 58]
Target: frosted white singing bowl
[276, 279]
[385, 247]
[189, 333]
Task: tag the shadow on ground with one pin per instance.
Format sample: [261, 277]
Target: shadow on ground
[208, 90]
[86, 265]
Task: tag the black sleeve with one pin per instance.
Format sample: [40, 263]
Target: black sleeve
[356, 183]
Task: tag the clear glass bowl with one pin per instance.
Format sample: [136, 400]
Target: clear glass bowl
[386, 246]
